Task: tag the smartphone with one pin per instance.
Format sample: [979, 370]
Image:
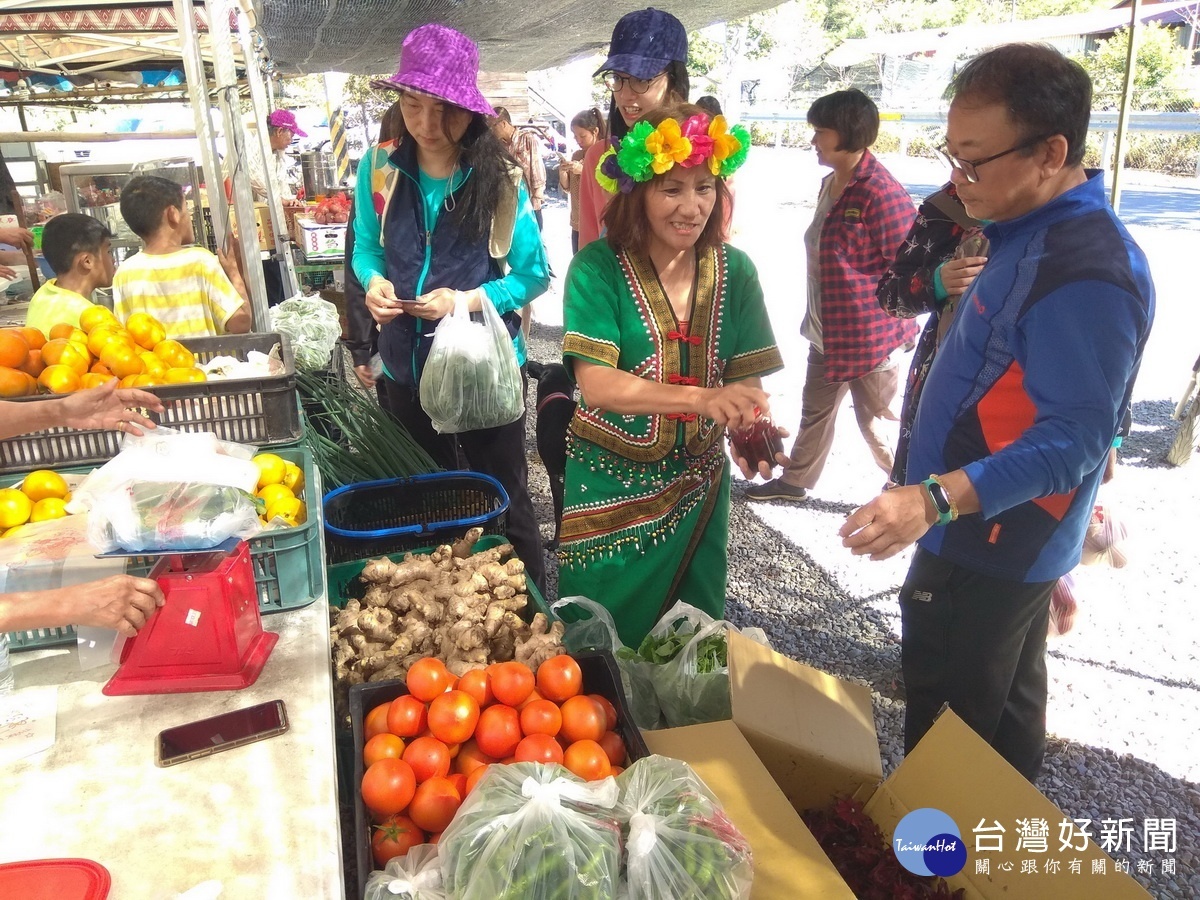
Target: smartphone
[212, 735]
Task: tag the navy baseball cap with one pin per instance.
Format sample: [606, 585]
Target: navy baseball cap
[644, 43]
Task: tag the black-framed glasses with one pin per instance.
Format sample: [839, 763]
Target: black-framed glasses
[614, 82]
[968, 167]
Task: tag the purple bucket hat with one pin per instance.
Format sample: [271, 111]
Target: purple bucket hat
[285, 118]
[443, 63]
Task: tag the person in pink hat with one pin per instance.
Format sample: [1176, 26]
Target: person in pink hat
[442, 216]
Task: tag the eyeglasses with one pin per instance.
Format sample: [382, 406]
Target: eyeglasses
[968, 167]
[615, 82]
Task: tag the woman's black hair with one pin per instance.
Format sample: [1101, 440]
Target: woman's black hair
[851, 113]
[678, 85]
[591, 120]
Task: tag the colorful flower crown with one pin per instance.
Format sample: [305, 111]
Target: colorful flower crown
[646, 151]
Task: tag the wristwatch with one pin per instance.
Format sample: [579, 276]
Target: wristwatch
[943, 503]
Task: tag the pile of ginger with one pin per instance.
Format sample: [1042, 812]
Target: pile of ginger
[456, 604]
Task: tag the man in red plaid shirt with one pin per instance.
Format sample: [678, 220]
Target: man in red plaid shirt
[862, 217]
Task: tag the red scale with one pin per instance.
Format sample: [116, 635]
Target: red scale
[208, 635]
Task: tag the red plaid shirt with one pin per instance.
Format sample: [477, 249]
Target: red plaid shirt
[859, 241]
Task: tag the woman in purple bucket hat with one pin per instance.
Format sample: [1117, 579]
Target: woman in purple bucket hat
[441, 215]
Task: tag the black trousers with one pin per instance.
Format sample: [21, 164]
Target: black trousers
[499, 452]
[977, 643]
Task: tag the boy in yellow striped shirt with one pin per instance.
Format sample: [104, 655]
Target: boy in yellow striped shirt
[79, 251]
[191, 291]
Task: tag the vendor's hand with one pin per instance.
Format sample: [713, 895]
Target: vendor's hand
[229, 263]
[365, 378]
[381, 301]
[6, 272]
[889, 523]
[109, 408]
[293, 203]
[18, 237]
[957, 274]
[122, 602]
[734, 405]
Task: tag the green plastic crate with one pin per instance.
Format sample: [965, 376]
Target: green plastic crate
[287, 563]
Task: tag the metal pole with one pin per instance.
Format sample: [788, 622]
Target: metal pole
[1126, 100]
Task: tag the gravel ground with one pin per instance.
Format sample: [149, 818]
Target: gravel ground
[1123, 713]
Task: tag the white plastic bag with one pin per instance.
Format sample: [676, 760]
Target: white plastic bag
[1064, 604]
[417, 875]
[680, 842]
[313, 326]
[152, 515]
[471, 379]
[1104, 540]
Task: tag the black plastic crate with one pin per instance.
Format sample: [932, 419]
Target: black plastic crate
[375, 518]
[600, 676]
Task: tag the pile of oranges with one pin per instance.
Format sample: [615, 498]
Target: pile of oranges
[40, 496]
[71, 359]
[280, 488]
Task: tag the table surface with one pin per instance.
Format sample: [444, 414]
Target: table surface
[261, 820]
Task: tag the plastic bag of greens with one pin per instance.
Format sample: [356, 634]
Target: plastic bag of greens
[471, 379]
[530, 831]
[313, 326]
[149, 515]
[689, 651]
[415, 876]
[680, 843]
[597, 630]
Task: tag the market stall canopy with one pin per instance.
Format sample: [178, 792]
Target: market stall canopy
[363, 36]
[968, 39]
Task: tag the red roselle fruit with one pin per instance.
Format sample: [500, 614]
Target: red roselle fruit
[758, 443]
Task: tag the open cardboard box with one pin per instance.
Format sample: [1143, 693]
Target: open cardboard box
[815, 735]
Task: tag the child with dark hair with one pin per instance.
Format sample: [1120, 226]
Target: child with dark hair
[191, 291]
[78, 250]
[588, 127]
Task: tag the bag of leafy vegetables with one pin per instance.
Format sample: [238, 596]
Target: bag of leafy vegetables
[530, 831]
[680, 844]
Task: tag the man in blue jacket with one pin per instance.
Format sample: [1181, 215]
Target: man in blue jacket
[1020, 407]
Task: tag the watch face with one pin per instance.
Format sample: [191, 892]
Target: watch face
[937, 494]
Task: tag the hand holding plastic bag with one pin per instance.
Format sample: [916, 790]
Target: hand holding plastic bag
[530, 831]
[680, 842]
[415, 876]
[1104, 540]
[471, 379]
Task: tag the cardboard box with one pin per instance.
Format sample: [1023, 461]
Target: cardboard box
[319, 241]
[815, 735]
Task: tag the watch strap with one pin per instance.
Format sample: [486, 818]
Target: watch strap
[943, 503]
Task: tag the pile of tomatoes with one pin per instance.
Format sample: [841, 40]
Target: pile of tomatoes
[426, 750]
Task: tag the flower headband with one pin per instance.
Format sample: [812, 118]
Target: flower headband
[647, 151]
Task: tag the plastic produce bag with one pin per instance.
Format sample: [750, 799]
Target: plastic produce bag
[599, 631]
[149, 515]
[471, 380]
[415, 876]
[1063, 606]
[1104, 540]
[530, 831]
[680, 842]
[313, 326]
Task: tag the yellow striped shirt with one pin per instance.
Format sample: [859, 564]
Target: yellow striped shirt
[53, 304]
[186, 290]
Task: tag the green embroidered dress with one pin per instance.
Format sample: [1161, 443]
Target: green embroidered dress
[646, 511]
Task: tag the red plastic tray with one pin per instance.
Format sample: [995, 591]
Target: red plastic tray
[55, 879]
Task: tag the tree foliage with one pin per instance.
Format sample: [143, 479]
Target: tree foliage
[1157, 79]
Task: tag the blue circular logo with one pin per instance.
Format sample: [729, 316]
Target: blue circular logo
[928, 842]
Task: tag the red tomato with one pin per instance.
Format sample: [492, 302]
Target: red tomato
[617, 770]
[533, 697]
[511, 682]
[498, 731]
[375, 721]
[583, 719]
[588, 760]
[395, 836]
[559, 678]
[429, 758]
[429, 677]
[473, 778]
[470, 757]
[452, 716]
[478, 684]
[434, 804]
[541, 717]
[540, 748]
[614, 747]
[388, 786]
[610, 711]
[407, 716]
[459, 781]
[382, 746]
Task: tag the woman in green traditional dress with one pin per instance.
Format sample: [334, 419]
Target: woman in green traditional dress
[667, 335]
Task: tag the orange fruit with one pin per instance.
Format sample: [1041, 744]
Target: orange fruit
[15, 508]
[59, 379]
[154, 365]
[61, 331]
[147, 331]
[127, 381]
[78, 335]
[145, 380]
[33, 364]
[14, 349]
[50, 508]
[174, 354]
[59, 351]
[16, 383]
[99, 368]
[33, 336]
[96, 316]
[44, 483]
[122, 360]
[183, 375]
[93, 379]
[100, 337]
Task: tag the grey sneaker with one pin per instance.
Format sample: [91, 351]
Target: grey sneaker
[775, 489]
